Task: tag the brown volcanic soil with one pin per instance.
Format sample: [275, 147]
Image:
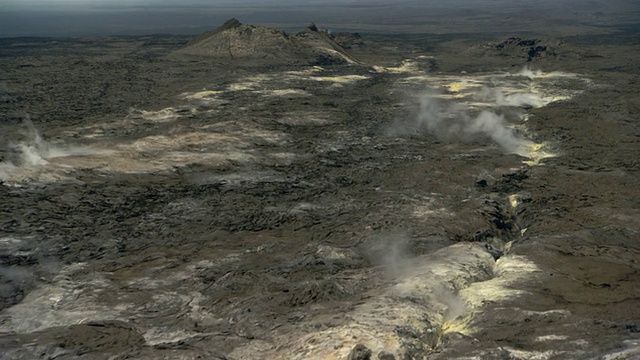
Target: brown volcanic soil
[317, 214]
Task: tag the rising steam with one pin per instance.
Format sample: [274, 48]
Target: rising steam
[517, 99]
[452, 122]
[479, 108]
[31, 152]
[34, 151]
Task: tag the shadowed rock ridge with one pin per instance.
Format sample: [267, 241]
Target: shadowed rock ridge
[234, 40]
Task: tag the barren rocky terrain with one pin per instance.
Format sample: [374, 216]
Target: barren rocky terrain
[365, 196]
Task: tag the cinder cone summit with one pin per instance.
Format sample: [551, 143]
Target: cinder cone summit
[262, 45]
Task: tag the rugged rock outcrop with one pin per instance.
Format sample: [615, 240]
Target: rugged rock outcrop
[531, 48]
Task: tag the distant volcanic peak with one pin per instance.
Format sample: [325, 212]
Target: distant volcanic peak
[323, 41]
[239, 41]
[313, 31]
[249, 42]
[233, 26]
[230, 24]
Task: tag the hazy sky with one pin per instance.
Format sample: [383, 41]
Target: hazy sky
[23, 4]
[135, 17]
[104, 17]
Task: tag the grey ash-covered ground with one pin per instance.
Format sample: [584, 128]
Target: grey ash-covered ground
[159, 204]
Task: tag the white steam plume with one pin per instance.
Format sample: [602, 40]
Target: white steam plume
[455, 306]
[450, 122]
[519, 99]
[530, 73]
[31, 152]
[390, 250]
[35, 150]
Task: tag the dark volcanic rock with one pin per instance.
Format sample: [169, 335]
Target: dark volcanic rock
[360, 352]
[531, 48]
[383, 355]
[349, 40]
[91, 339]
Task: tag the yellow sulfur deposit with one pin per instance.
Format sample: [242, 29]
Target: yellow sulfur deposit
[455, 326]
[536, 153]
[407, 66]
[514, 201]
[457, 86]
[340, 79]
